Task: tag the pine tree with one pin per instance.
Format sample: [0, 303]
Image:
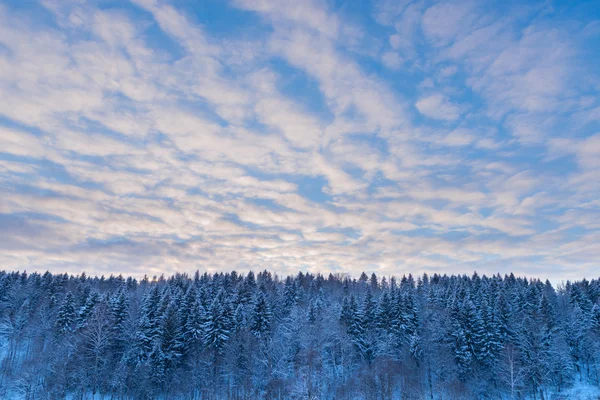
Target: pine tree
[384, 312]
[534, 349]
[119, 311]
[193, 327]
[346, 313]
[416, 349]
[290, 294]
[171, 338]
[503, 317]
[217, 325]
[463, 354]
[355, 327]
[411, 317]
[363, 279]
[149, 324]
[157, 364]
[242, 363]
[399, 325]
[595, 319]
[373, 282]
[86, 310]
[369, 323]
[313, 312]
[240, 318]
[261, 317]
[179, 337]
[472, 328]
[490, 335]
[66, 314]
[576, 329]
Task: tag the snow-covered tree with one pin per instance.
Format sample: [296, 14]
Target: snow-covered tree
[261, 336]
[65, 317]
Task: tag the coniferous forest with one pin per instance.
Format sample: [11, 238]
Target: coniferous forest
[234, 336]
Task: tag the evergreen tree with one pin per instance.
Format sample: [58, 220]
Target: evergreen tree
[193, 326]
[149, 325]
[346, 313]
[172, 340]
[119, 311]
[290, 294]
[228, 336]
[261, 317]
[384, 312]
[595, 319]
[534, 349]
[490, 335]
[66, 314]
[217, 325]
[373, 282]
[416, 350]
[463, 354]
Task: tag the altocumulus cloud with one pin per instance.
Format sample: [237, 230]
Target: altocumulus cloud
[159, 136]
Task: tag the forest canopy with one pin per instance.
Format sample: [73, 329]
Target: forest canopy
[247, 336]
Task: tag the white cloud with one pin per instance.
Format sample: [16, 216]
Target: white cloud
[391, 60]
[443, 21]
[407, 27]
[308, 13]
[438, 106]
[201, 156]
[588, 152]
[459, 137]
[21, 143]
[341, 80]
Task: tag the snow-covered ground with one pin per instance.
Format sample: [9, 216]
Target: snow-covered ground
[580, 391]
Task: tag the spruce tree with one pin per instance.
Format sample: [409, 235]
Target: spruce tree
[261, 317]
[149, 325]
[119, 311]
[86, 310]
[66, 314]
[172, 339]
[217, 325]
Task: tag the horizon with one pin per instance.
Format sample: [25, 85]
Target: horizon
[156, 137]
[338, 275]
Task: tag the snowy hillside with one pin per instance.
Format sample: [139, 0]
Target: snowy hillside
[232, 336]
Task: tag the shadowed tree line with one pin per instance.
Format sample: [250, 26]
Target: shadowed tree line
[233, 336]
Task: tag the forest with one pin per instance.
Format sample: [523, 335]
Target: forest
[308, 336]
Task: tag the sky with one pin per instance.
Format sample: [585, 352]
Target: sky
[150, 136]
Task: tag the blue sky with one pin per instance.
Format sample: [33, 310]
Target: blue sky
[388, 136]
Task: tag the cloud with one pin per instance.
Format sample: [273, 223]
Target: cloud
[459, 137]
[588, 152]
[407, 27]
[443, 21]
[438, 106]
[391, 60]
[21, 143]
[143, 140]
[307, 13]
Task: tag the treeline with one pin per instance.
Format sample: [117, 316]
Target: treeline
[233, 336]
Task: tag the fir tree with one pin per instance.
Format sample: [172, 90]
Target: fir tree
[227, 336]
[149, 325]
[66, 314]
[86, 310]
[217, 325]
[261, 317]
[172, 339]
[119, 311]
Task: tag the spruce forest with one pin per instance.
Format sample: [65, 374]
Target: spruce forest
[247, 336]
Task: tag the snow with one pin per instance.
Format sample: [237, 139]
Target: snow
[581, 391]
